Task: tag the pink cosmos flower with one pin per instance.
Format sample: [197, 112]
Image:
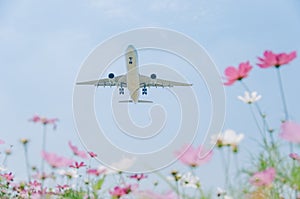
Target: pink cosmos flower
[263, 178]
[44, 120]
[77, 152]
[78, 165]
[295, 156]
[236, 74]
[62, 187]
[8, 176]
[138, 177]
[2, 142]
[56, 161]
[96, 172]
[35, 183]
[150, 195]
[190, 156]
[272, 59]
[290, 131]
[119, 191]
[92, 154]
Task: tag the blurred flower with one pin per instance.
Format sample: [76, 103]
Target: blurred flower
[7, 151]
[24, 141]
[263, 178]
[231, 138]
[190, 156]
[123, 164]
[138, 177]
[295, 156]
[70, 173]
[96, 172]
[188, 180]
[118, 191]
[250, 98]
[228, 138]
[2, 142]
[92, 154]
[77, 152]
[78, 165]
[62, 187]
[290, 131]
[271, 59]
[56, 161]
[8, 176]
[236, 74]
[220, 192]
[43, 176]
[216, 139]
[35, 184]
[176, 176]
[44, 120]
[151, 195]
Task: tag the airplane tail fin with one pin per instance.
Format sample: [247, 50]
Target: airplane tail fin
[139, 101]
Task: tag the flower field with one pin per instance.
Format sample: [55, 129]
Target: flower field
[274, 171]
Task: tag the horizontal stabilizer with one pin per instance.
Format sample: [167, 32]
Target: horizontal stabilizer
[139, 101]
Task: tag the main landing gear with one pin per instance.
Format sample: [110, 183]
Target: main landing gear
[144, 91]
[121, 91]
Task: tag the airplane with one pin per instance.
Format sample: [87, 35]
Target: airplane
[133, 80]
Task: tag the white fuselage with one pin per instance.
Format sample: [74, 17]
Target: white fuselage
[133, 81]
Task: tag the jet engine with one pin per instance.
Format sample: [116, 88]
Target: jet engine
[153, 76]
[111, 75]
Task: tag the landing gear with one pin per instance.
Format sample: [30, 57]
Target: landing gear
[121, 91]
[144, 91]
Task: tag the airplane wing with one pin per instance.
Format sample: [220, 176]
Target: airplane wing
[115, 81]
[146, 81]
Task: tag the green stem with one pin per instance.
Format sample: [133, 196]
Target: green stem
[43, 149]
[167, 182]
[226, 167]
[237, 162]
[280, 82]
[258, 126]
[255, 104]
[282, 94]
[26, 161]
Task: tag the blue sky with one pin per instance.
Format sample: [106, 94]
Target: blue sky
[43, 44]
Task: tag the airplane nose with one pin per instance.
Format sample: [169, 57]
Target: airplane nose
[130, 48]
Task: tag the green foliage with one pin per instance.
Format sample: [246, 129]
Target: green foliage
[98, 185]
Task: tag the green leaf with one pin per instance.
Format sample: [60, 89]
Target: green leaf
[98, 185]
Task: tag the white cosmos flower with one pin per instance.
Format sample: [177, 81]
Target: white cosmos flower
[70, 173]
[216, 139]
[250, 98]
[230, 137]
[122, 165]
[188, 180]
[221, 193]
